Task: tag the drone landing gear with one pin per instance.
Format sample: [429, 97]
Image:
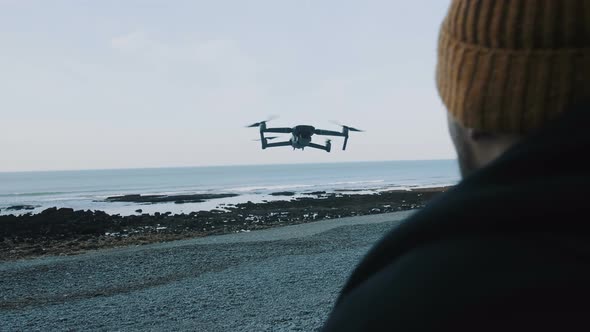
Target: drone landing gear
[321, 147]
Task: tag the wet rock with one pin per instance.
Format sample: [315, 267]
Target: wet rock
[20, 207]
[49, 211]
[315, 193]
[178, 199]
[283, 193]
[139, 210]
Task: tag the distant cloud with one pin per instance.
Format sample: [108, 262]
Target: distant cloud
[132, 41]
[205, 52]
[210, 62]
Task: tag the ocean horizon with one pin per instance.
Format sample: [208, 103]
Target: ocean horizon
[88, 189]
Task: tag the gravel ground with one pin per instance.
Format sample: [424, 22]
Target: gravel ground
[280, 279]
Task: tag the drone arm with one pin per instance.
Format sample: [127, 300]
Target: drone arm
[321, 147]
[328, 132]
[272, 145]
[283, 130]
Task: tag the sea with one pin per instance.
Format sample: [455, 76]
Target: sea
[88, 189]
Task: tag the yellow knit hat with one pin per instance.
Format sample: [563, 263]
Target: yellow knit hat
[511, 66]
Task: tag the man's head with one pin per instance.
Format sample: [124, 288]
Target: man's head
[507, 68]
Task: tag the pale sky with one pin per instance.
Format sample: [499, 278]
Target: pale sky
[125, 84]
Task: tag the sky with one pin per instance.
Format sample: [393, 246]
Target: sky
[172, 83]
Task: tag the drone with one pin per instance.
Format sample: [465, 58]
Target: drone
[301, 136]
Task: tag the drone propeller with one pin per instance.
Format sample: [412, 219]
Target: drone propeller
[347, 127]
[257, 124]
[353, 129]
[269, 138]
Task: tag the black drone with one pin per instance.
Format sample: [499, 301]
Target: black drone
[301, 136]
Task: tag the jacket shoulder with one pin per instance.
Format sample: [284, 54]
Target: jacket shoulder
[461, 281]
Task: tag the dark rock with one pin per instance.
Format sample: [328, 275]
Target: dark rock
[315, 193]
[99, 213]
[178, 199]
[139, 210]
[48, 211]
[283, 193]
[20, 207]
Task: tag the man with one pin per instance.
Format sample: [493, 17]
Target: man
[508, 248]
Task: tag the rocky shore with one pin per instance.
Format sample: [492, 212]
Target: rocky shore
[178, 199]
[65, 231]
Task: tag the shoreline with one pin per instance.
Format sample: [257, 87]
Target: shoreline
[129, 203]
[67, 232]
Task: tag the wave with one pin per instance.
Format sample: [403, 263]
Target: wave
[276, 187]
[35, 194]
[354, 182]
[417, 186]
[435, 185]
[78, 197]
[295, 186]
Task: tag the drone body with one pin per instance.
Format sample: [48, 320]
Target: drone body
[301, 136]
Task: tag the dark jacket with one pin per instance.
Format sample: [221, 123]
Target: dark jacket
[508, 248]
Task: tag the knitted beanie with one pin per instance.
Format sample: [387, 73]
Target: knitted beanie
[511, 66]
